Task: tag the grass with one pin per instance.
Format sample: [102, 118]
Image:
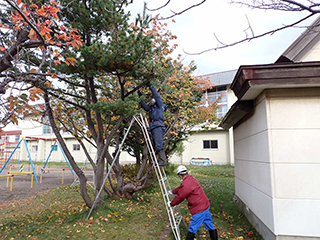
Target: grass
[60, 213]
[49, 163]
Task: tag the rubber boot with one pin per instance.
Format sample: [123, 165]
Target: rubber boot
[162, 158]
[190, 236]
[213, 234]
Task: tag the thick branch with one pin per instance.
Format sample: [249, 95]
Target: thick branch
[5, 61]
[27, 20]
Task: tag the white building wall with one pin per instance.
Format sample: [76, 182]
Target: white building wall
[295, 137]
[194, 148]
[231, 100]
[253, 172]
[35, 130]
[277, 162]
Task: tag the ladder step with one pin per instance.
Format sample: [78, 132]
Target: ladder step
[163, 179]
[174, 214]
[178, 220]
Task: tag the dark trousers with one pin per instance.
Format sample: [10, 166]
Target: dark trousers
[157, 137]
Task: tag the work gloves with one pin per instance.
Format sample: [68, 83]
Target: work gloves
[148, 84]
[139, 93]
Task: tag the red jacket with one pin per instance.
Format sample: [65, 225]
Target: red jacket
[191, 190]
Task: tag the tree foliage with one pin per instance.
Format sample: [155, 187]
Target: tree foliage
[89, 87]
[31, 36]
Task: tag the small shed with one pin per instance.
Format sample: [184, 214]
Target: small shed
[276, 124]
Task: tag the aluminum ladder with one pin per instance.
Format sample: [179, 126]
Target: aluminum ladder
[174, 214]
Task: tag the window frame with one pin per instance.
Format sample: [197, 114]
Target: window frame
[55, 148]
[75, 147]
[34, 148]
[210, 148]
[215, 93]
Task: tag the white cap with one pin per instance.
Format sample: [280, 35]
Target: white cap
[182, 170]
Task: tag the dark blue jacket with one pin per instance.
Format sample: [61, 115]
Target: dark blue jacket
[156, 111]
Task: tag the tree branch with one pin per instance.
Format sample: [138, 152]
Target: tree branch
[183, 11]
[16, 7]
[247, 39]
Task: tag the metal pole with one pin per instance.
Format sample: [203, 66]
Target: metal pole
[10, 156]
[35, 175]
[65, 158]
[45, 164]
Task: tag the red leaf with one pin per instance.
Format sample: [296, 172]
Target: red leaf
[34, 6]
[54, 2]
[41, 11]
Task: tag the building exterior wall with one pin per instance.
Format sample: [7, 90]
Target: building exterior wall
[194, 148]
[253, 171]
[295, 136]
[231, 100]
[277, 162]
[313, 54]
[35, 131]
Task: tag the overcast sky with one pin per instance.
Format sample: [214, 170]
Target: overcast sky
[196, 27]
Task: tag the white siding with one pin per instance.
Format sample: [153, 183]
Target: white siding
[278, 161]
[253, 170]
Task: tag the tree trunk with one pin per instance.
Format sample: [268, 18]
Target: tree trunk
[77, 170]
[99, 174]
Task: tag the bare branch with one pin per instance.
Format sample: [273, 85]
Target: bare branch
[301, 6]
[66, 100]
[247, 39]
[183, 11]
[282, 5]
[248, 28]
[156, 9]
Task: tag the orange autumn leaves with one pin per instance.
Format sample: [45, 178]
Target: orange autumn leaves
[43, 25]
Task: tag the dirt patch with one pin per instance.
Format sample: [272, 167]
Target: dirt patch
[21, 186]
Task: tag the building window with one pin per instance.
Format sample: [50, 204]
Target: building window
[211, 95]
[210, 144]
[46, 126]
[54, 147]
[76, 147]
[17, 138]
[34, 148]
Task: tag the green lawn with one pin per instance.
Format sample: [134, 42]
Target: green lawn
[60, 213]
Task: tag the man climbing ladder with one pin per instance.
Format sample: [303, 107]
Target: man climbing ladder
[174, 214]
[156, 127]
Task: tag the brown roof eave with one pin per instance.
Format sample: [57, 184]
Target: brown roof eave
[238, 110]
[275, 76]
[250, 81]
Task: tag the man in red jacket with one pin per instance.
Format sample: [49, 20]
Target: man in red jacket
[198, 204]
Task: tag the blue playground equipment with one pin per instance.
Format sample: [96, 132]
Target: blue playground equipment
[25, 142]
